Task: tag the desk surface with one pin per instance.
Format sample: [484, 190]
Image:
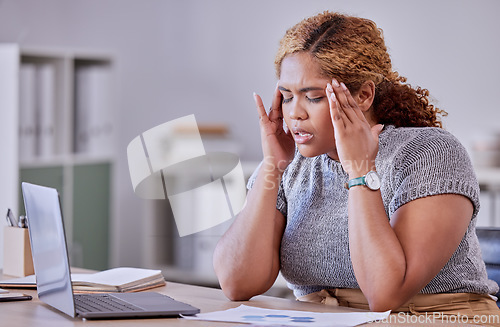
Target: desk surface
[37, 313]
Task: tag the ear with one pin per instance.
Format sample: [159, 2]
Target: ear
[365, 95]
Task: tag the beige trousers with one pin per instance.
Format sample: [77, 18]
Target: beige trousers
[460, 308]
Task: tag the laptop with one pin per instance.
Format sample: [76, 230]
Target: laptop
[52, 269]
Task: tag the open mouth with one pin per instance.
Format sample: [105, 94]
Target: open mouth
[301, 136]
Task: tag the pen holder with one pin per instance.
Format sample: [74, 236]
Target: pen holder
[17, 259]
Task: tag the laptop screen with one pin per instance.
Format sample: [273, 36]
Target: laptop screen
[48, 246]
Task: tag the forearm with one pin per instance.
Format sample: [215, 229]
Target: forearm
[377, 256]
[246, 258]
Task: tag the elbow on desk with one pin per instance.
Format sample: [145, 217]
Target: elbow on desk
[237, 288]
[380, 306]
[384, 302]
[235, 292]
[231, 287]
[241, 289]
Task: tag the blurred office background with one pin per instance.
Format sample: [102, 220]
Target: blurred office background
[158, 60]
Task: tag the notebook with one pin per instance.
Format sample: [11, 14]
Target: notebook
[52, 269]
[122, 279]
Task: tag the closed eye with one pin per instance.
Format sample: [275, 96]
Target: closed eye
[311, 100]
[315, 100]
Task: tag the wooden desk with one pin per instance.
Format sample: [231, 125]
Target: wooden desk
[37, 313]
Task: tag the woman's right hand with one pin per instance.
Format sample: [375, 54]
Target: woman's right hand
[278, 146]
[247, 257]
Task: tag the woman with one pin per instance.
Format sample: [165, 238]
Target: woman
[362, 200]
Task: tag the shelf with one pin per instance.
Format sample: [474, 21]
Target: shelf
[65, 105]
[55, 52]
[62, 94]
[65, 160]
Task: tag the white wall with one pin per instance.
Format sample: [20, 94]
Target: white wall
[207, 57]
[8, 141]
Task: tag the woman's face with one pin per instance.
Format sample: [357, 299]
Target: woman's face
[305, 105]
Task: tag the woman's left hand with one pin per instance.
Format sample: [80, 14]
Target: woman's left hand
[356, 141]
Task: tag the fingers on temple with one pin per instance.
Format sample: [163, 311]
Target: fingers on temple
[347, 103]
[336, 113]
[340, 94]
[352, 103]
[276, 112]
[261, 110]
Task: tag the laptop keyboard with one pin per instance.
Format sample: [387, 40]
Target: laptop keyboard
[102, 303]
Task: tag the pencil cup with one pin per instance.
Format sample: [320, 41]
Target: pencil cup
[17, 260]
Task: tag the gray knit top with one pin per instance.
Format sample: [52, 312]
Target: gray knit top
[412, 163]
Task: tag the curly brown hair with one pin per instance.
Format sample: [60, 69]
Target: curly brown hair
[353, 50]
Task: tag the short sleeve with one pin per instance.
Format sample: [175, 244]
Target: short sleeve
[431, 164]
[281, 203]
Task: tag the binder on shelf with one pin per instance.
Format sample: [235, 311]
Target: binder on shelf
[93, 123]
[45, 99]
[27, 111]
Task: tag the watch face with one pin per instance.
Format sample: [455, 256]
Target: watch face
[372, 180]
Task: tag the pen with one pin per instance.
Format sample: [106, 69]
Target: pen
[11, 220]
[8, 221]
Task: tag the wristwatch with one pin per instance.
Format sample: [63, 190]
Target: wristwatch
[371, 180]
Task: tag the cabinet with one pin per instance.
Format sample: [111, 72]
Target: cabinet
[85, 195]
[66, 140]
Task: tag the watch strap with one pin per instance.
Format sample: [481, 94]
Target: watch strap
[355, 182]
